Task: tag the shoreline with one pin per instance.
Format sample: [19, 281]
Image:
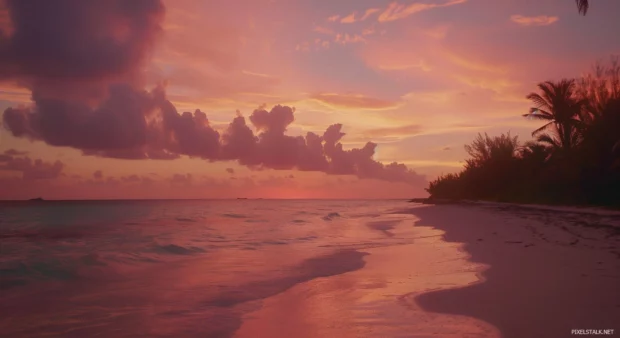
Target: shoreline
[543, 279]
[586, 209]
[469, 270]
[378, 300]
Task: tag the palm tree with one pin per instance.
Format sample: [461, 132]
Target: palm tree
[559, 106]
[583, 6]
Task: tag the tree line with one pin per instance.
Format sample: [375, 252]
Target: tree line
[574, 157]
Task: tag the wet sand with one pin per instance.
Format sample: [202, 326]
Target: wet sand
[471, 271]
[378, 300]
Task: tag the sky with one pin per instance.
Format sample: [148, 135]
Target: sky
[272, 98]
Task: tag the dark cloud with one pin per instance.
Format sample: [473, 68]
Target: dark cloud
[32, 169]
[98, 174]
[230, 170]
[118, 125]
[189, 134]
[239, 142]
[148, 126]
[83, 61]
[72, 46]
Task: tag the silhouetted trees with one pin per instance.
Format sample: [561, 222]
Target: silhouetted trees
[573, 159]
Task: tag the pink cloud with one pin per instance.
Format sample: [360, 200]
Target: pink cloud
[542, 20]
[421, 65]
[396, 11]
[438, 32]
[369, 12]
[348, 19]
[355, 101]
[333, 18]
[347, 38]
[351, 18]
[324, 30]
[14, 152]
[402, 131]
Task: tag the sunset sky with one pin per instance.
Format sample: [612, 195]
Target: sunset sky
[93, 92]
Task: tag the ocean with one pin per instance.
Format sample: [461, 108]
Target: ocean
[200, 268]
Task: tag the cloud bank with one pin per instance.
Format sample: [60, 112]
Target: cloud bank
[30, 169]
[84, 64]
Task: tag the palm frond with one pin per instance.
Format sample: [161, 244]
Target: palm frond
[583, 6]
[576, 138]
[546, 138]
[538, 100]
[541, 115]
[541, 129]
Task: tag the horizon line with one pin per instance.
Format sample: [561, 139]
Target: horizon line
[199, 199]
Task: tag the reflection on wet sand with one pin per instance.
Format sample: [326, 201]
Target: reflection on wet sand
[377, 300]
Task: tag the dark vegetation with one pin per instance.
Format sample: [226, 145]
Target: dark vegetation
[573, 159]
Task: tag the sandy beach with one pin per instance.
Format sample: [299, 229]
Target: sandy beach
[498, 271]
[550, 271]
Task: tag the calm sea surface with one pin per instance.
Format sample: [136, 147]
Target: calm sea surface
[171, 268]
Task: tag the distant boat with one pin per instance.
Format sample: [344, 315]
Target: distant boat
[38, 199]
